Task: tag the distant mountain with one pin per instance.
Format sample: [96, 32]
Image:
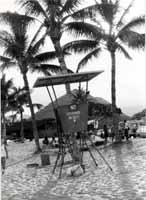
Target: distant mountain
[139, 115]
[131, 110]
[123, 117]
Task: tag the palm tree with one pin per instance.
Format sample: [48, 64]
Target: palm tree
[55, 14]
[17, 100]
[6, 90]
[20, 52]
[114, 38]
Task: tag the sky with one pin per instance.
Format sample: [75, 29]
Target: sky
[130, 74]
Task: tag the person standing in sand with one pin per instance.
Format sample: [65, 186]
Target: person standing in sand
[126, 129]
[105, 129]
[4, 155]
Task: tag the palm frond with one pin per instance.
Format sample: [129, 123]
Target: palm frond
[46, 56]
[84, 61]
[13, 46]
[17, 22]
[5, 65]
[46, 69]
[120, 48]
[6, 39]
[21, 42]
[80, 96]
[14, 51]
[32, 7]
[126, 11]
[79, 46]
[49, 3]
[15, 18]
[18, 98]
[6, 88]
[84, 13]
[50, 9]
[18, 25]
[84, 29]
[70, 6]
[12, 105]
[5, 59]
[36, 47]
[35, 37]
[138, 42]
[6, 85]
[133, 39]
[108, 10]
[23, 98]
[53, 5]
[134, 23]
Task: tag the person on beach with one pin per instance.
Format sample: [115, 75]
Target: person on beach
[46, 141]
[105, 129]
[126, 129]
[4, 155]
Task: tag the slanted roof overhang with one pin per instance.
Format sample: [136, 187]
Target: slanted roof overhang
[66, 78]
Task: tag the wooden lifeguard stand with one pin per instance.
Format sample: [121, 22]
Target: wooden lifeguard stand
[70, 118]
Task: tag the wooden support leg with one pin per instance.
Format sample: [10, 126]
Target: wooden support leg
[91, 153]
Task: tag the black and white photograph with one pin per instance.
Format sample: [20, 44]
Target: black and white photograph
[73, 99]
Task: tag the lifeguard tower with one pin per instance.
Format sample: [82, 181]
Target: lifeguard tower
[71, 118]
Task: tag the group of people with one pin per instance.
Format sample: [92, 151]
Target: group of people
[123, 131]
[47, 142]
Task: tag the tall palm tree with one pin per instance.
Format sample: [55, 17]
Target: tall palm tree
[109, 31]
[17, 100]
[6, 90]
[20, 52]
[56, 15]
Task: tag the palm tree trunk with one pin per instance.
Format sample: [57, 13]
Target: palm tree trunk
[113, 94]
[3, 124]
[22, 126]
[60, 56]
[35, 131]
[113, 79]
